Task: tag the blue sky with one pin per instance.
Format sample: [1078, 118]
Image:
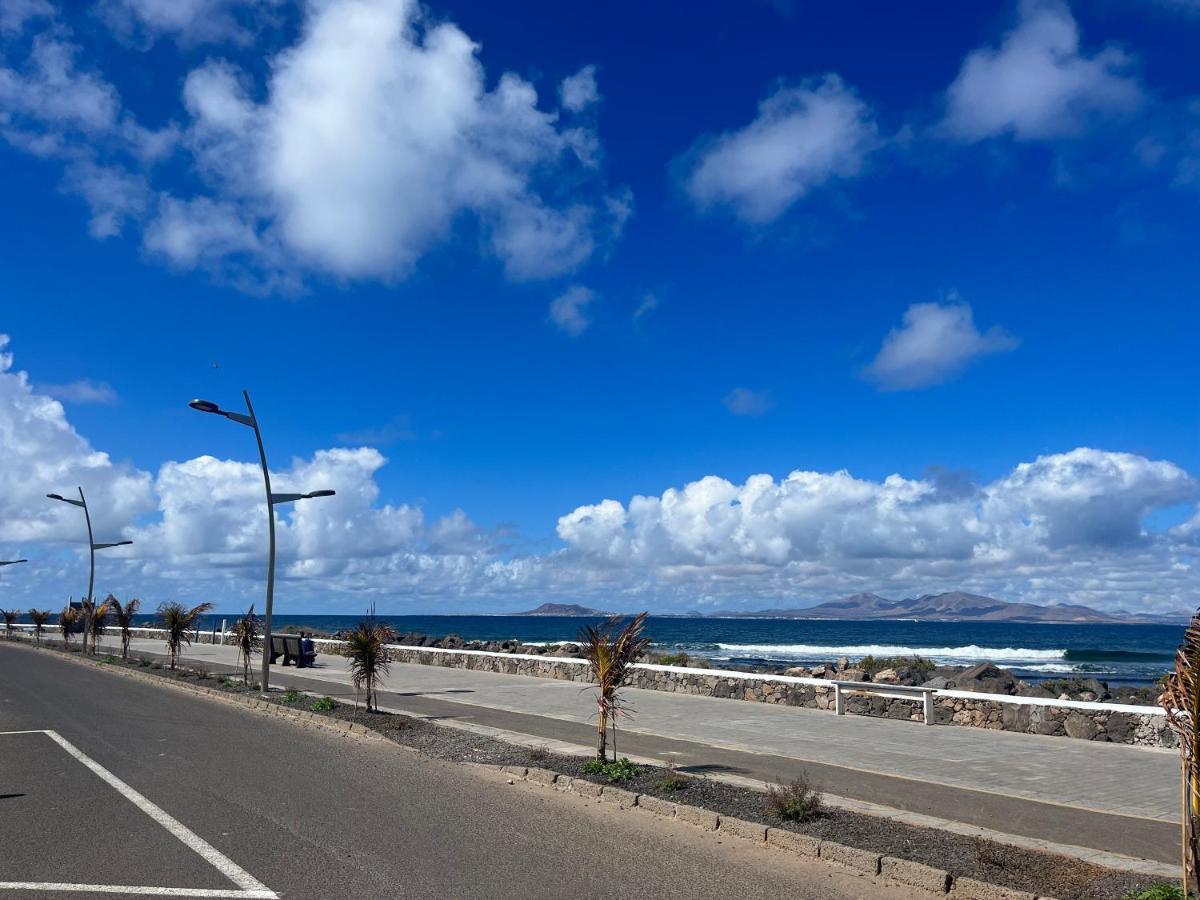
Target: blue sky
[546, 261]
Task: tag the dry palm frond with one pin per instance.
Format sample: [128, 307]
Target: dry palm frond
[123, 614]
[10, 620]
[97, 615]
[178, 621]
[611, 650]
[39, 618]
[247, 636]
[366, 648]
[1181, 701]
[66, 623]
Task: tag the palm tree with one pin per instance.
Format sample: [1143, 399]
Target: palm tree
[39, 618]
[611, 651]
[123, 614]
[96, 621]
[1181, 701]
[366, 647]
[66, 623]
[248, 638]
[178, 621]
[10, 619]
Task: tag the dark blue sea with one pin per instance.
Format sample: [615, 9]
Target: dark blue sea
[1119, 654]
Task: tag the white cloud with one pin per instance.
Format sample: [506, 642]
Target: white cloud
[14, 14]
[376, 140]
[802, 138]
[577, 92]
[936, 342]
[83, 391]
[1066, 526]
[1038, 85]
[569, 311]
[746, 402]
[648, 305]
[187, 21]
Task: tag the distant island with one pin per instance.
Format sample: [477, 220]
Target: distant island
[562, 609]
[953, 606]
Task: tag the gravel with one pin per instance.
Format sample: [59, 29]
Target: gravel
[1042, 873]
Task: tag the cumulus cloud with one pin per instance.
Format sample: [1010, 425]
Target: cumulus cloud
[188, 21]
[935, 344]
[569, 310]
[15, 13]
[1065, 526]
[803, 137]
[579, 91]
[84, 391]
[1038, 84]
[746, 402]
[370, 142]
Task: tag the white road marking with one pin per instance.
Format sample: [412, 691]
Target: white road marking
[250, 887]
[133, 889]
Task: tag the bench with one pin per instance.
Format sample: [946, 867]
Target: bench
[288, 647]
[893, 691]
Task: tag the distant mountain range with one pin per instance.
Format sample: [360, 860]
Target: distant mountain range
[562, 609]
[953, 606]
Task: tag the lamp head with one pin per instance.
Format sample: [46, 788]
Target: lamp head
[320, 494]
[56, 496]
[205, 406]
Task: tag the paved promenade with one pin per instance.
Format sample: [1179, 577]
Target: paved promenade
[1111, 797]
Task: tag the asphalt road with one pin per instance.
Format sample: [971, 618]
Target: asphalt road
[311, 815]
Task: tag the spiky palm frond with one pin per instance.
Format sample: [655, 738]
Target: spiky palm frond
[1180, 700]
[10, 621]
[178, 621]
[66, 623]
[39, 618]
[366, 648]
[247, 637]
[611, 650]
[96, 615]
[123, 614]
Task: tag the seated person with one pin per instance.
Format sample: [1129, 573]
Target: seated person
[308, 651]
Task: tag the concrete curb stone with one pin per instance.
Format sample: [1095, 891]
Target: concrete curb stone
[916, 874]
[542, 776]
[694, 815]
[658, 807]
[970, 889]
[623, 798]
[800, 844]
[587, 788]
[863, 860]
[740, 828]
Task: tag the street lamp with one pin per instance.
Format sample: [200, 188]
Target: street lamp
[11, 562]
[92, 548]
[207, 406]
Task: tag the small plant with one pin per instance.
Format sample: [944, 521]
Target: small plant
[108, 659]
[366, 648]
[539, 754]
[66, 624]
[324, 704]
[616, 770]
[794, 802]
[39, 618]
[178, 621]
[672, 783]
[123, 614]
[674, 659]
[10, 621]
[1160, 891]
[143, 662]
[611, 650]
[247, 637]
[873, 665]
[291, 697]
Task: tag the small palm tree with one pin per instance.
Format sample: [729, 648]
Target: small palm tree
[611, 650]
[66, 623]
[39, 618]
[178, 621]
[10, 620]
[366, 647]
[96, 617]
[123, 614]
[1181, 701]
[247, 636]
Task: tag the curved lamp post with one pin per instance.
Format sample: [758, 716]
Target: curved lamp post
[207, 406]
[11, 562]
[92, 548]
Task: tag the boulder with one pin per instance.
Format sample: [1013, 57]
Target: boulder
[986, 678]
[797, 672]
[887, 676]
[853, 675]
[941, 682]
[1035, 690]
[1080, 726]
[843, 663]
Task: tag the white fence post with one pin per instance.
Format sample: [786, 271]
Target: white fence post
[839, 704]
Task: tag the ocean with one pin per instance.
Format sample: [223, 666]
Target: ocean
[1118, 654]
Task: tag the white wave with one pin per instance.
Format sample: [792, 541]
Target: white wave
[821, 652]
[1051, 667]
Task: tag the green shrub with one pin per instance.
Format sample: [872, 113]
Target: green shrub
[325, 704]
[291, 697]
[619, 770]
[109, 660]
[672, 782]
[794, 802]
[674, 659]
[872, 665]
[1160, 891]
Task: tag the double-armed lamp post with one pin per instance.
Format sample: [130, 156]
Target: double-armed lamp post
[249, 419]
[92, 548]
